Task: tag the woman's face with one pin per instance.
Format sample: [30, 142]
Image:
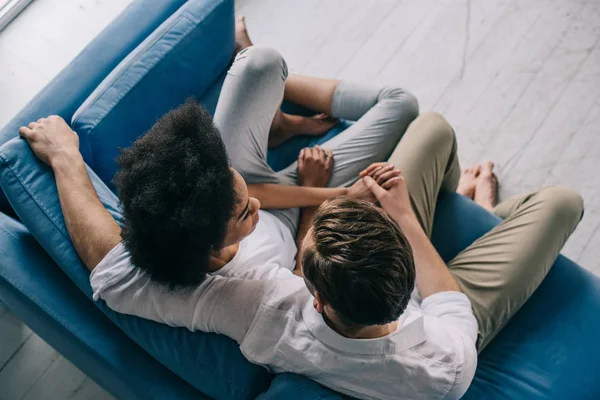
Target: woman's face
[245, 216]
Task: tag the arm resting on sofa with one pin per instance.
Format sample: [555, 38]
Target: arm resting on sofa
[92, 229]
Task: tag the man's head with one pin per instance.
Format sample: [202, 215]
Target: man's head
[181, 200]
[357, 264]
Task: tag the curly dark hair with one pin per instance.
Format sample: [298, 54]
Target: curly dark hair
[177, 193]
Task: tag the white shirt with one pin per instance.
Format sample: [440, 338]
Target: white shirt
[268, 253]
[431, 355]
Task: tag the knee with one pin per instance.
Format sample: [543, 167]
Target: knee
[405, 105]
[436, 127]
[566, 205]
[260, 61]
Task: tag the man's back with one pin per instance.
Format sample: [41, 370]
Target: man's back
[428, 356]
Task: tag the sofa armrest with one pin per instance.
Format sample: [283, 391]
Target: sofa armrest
[35, 289]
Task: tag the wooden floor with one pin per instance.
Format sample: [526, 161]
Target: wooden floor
[518, 79]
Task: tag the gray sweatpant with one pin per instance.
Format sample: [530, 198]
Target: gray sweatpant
[251, 95]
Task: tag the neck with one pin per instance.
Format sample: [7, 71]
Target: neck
[219, 259]
[365, 332]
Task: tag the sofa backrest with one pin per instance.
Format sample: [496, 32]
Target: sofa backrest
[65, 93]
[183, 57]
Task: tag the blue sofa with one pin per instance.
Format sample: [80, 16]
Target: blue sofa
[152, 57]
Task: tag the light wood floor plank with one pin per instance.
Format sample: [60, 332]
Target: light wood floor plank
[89, 390]
[529, 113]
[491, 104]
[503, 46]
[386, 41]
[25, 368]
[13, 333]
[59, 382]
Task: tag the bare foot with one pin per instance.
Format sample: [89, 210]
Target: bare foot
[286, 126]
[468, 181]
[242, 39]
[486, 190]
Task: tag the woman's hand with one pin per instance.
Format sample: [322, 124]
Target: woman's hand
[314, 166]
[385, 174]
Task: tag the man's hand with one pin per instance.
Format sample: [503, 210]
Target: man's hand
[314, 166]
[385, 174]
[395, 201]
[51, 139]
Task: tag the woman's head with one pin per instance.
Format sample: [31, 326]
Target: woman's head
[181, 200]
[357, 264]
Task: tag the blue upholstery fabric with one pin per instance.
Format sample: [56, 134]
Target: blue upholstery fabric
[180, 59]
[204, 360]
[550, 348]
[65, 93]
[32, 287]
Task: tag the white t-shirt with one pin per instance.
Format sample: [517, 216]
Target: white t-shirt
[268, 253]
[270, 314]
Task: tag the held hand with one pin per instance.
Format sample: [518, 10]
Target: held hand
[395, 201]
[383, 173]
[314, 166]
[51, 138]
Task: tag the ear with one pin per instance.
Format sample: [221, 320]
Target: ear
[318, 303]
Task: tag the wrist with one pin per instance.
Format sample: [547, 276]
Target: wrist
[406, 217]
[66, 160]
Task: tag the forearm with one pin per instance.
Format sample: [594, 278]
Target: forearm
[306, 215]
[433, 276]
[93, 231]
[284, 196]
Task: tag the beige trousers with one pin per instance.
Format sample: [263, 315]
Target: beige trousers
[500, 270]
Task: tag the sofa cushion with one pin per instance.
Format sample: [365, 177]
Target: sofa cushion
[181, 58]
[65, 93]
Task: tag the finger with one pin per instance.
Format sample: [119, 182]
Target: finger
[25, 131]
[385, 176]
[390, 183]
[377, 190]
[375, 170]
[32, 125]
[322, 155]
[313, 153]
[302, 154]
[381, 171]
[329, 162]
[370, 168]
